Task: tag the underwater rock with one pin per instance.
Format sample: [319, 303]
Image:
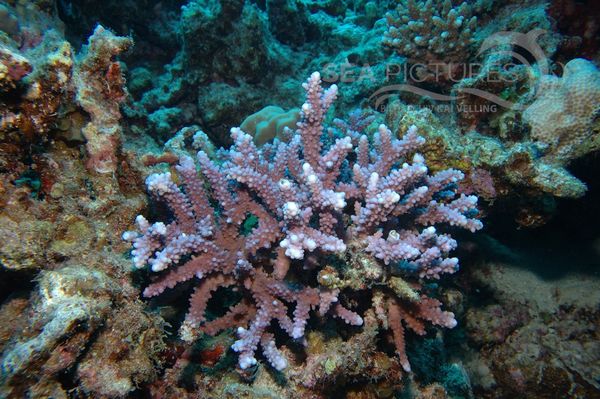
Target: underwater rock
[218, 88]
[66, 314]
[577, 21]
[285, 13]
[494, 323]
[42, 82]
[331, 361]
[100, 87]
[56, 211]
[34, 84]
[58, 217]
[125, 354]
[25, 243]
[70, 304]
[536, 330]
[9, 23]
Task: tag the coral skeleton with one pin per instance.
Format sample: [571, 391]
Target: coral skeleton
[373, 197]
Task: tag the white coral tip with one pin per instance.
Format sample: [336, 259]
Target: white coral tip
[310, 244]
[291, 209]
[285, 184]
[430, 230]
[129, 236]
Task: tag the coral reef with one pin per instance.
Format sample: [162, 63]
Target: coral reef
[62, 222]
[100, 89]
[43, 80]
[509, 115]
[509, 167]
[562, 115]
[206, 84]
[264, 64]
[310, 256]
[216, 89]
[512, 51]
[437, 38]
[300, 212]
[60, 219]
[427, 31]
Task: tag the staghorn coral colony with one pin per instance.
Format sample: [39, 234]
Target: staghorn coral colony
[301, 199]
[153, 249]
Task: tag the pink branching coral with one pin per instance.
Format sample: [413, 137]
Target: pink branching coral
[311, 203]
[395, 314]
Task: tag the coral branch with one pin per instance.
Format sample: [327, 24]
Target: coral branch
[260, 218]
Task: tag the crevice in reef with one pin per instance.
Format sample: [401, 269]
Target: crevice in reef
[15, 283]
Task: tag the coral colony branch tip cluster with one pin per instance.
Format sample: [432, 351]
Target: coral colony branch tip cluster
[370, 203]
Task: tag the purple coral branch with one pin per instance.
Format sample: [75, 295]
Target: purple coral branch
[296, 191]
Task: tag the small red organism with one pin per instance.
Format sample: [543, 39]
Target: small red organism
[115, 82]
[209, 357]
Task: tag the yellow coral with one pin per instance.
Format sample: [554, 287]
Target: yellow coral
[403, 289]
[269, 123]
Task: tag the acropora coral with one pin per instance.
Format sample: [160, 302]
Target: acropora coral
[371, 204]
[427, 31]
